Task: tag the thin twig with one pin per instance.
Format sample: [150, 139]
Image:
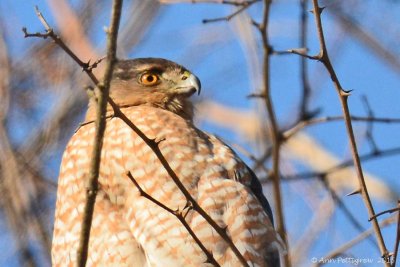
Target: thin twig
[343, 96]
[302, 54]
[286, 52]
[370, 125]
[384, 212]
[306, 88]
[178, 214]
[245, 5]
[224, 2]
[102, 97]
[50, 33]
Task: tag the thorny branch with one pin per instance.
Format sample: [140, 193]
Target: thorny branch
[179, 215]
[343, 96]
[153, 144]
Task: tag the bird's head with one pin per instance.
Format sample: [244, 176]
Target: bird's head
[156, 82]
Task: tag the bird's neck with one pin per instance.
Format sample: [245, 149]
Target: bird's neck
[178, 105]
[181, 106]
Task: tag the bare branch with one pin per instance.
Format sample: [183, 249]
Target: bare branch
[384, 212]
[274, 132]
[102, 97]
[224, 2]
[370, 125]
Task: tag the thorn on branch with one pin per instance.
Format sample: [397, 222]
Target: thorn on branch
[345, 93]
[158, 140]
[225, 229]
[90, 67]
[256, 95]
[209, 259]
[255, 24]
[355, 192]
[320, 10]
[349, 127]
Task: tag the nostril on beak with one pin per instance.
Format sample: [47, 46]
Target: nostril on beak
[184, 77]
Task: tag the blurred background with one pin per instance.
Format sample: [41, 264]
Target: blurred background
[42, 102]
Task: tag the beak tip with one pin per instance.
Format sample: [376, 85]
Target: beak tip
[198, 83]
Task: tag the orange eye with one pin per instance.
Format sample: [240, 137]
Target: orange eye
[149, 79]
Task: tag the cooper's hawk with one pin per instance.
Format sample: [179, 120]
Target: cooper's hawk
[129, 229]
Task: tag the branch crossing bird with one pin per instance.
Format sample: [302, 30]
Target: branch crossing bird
[129, 229]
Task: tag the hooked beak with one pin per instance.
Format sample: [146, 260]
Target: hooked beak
[188, 85]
